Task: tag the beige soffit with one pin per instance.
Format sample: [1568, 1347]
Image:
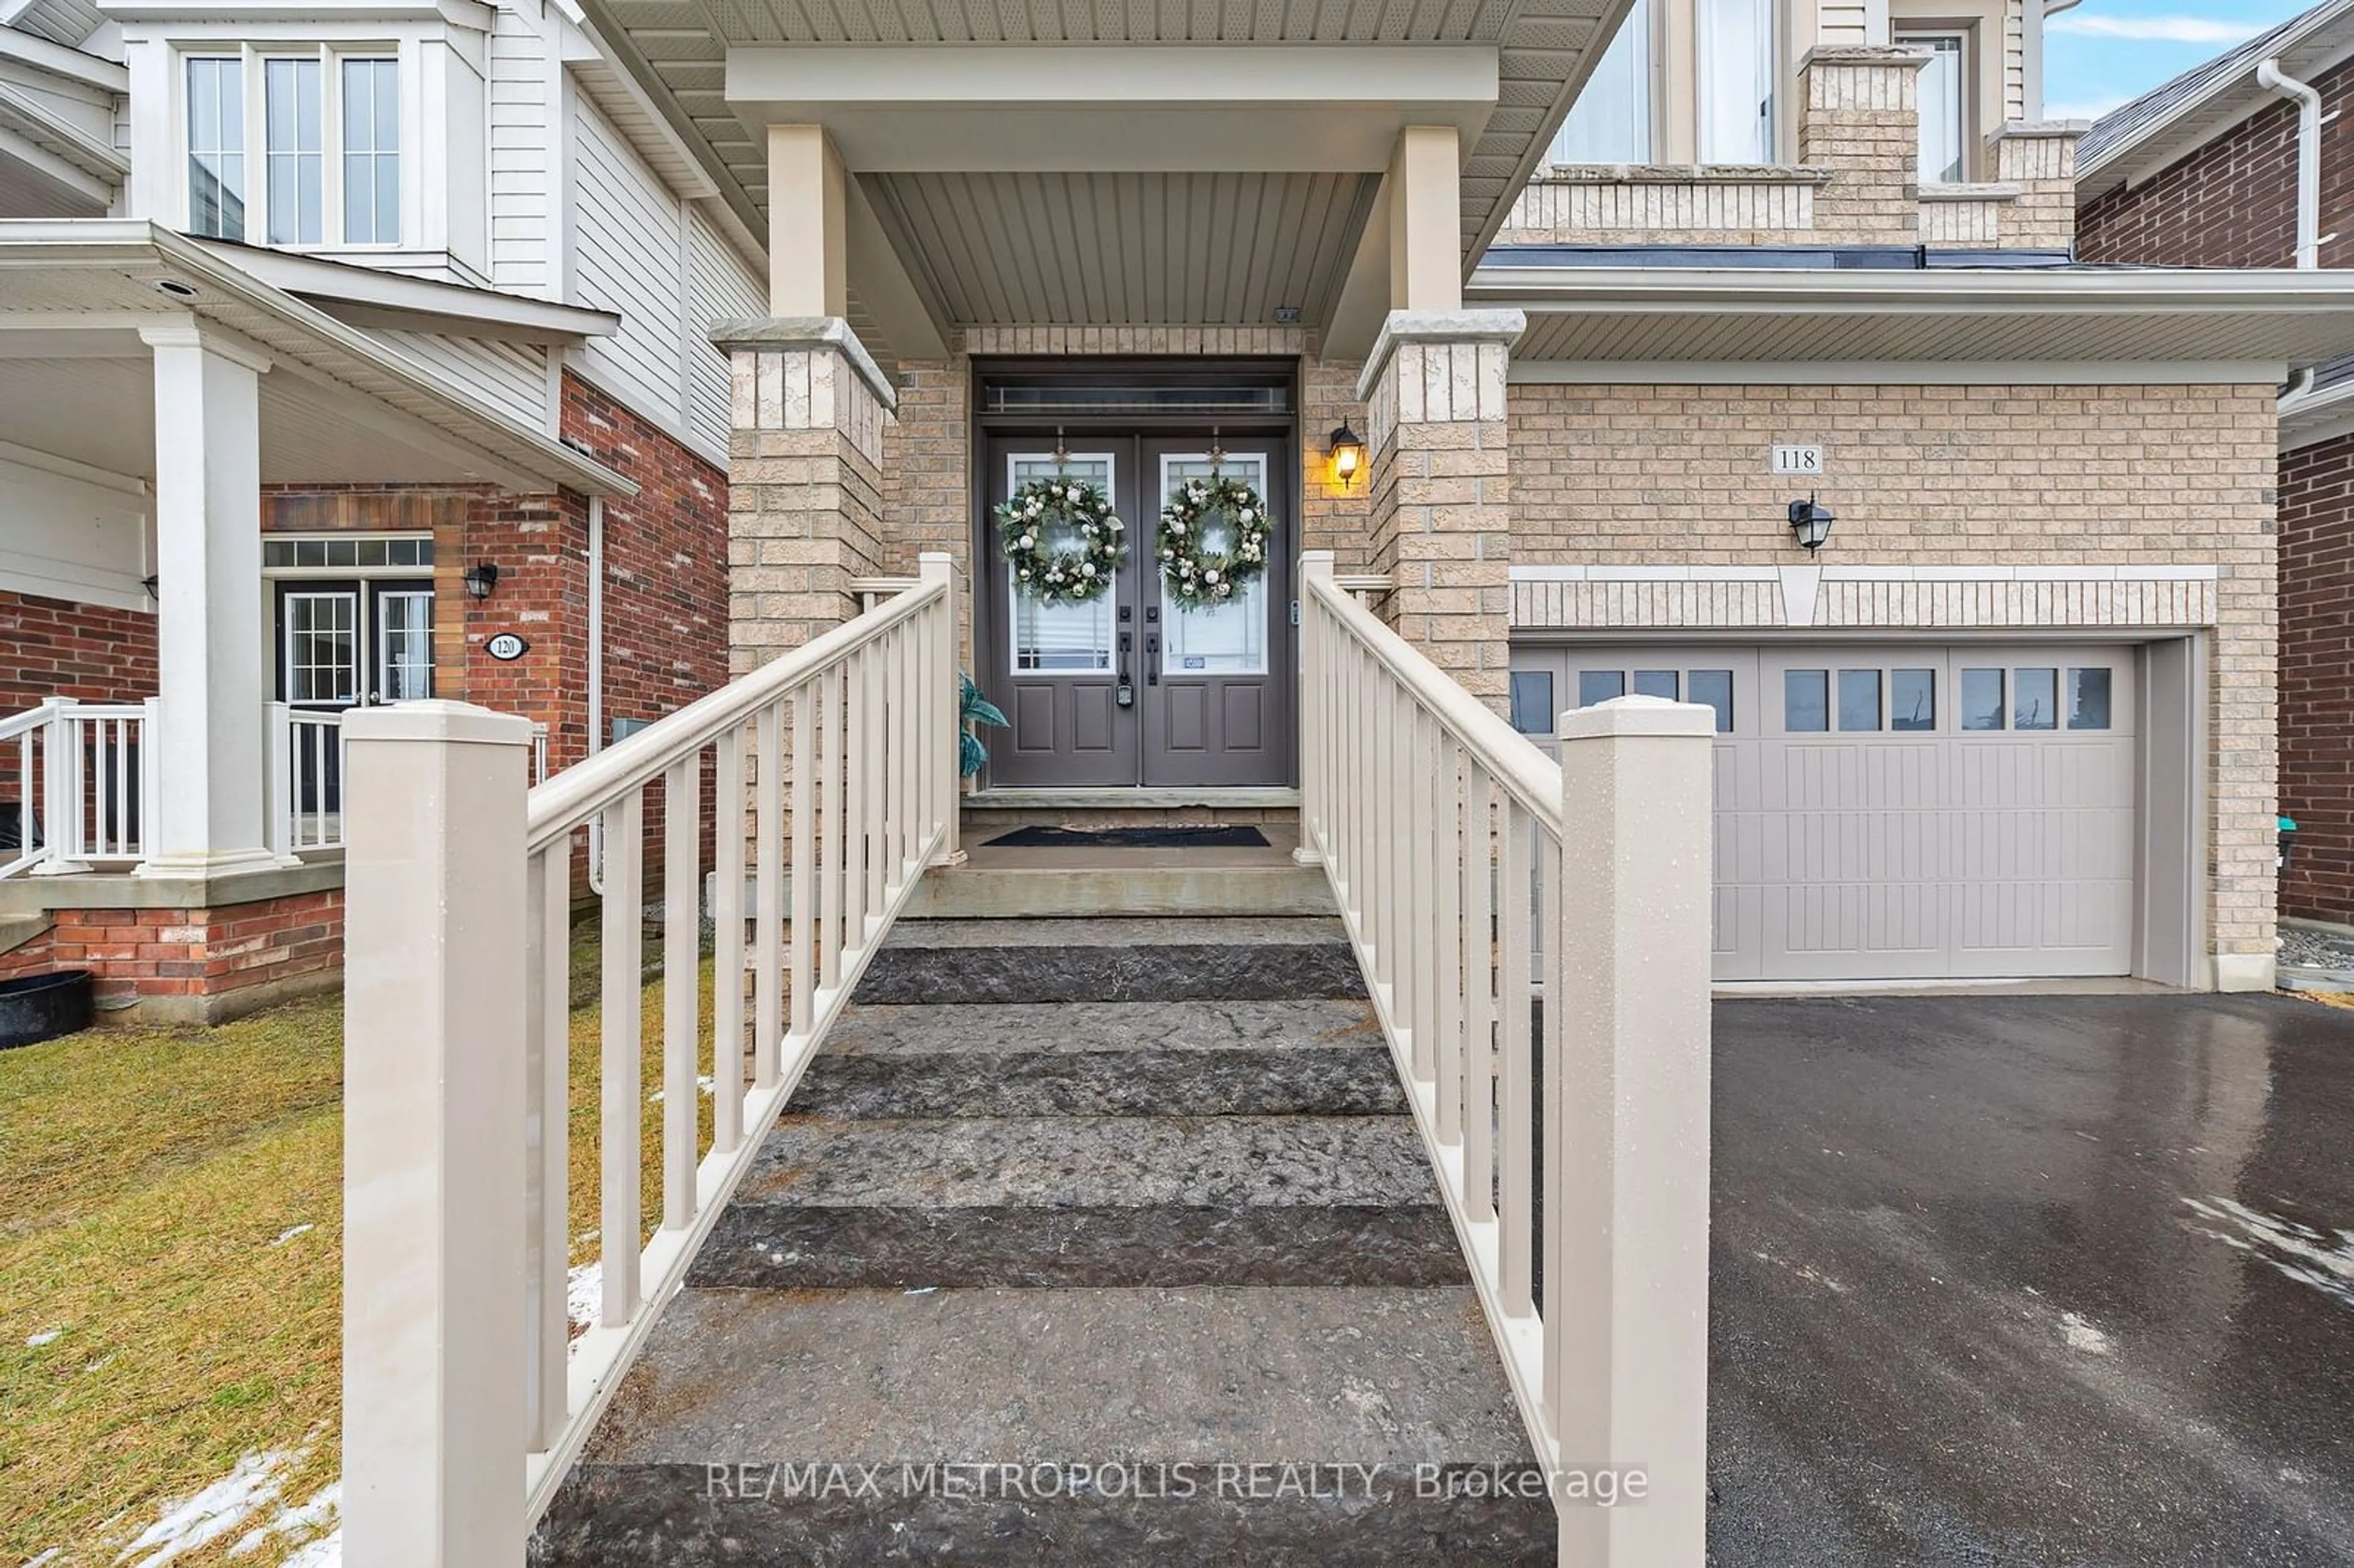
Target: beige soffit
[105, 276]
[1589, 317]
[678, 52]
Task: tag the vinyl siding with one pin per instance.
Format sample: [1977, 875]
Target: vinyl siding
[629, 257]
[519, 161]
[509, 377]
[719, 287]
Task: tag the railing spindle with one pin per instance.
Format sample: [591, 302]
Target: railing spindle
[1478, 1001]
[620, 1124]
[807, 875]
[727, 943]
[1451, 969]
[1512, 999]
[548, 1240]
[833, 919]
[858, 728]
[682, 985]
[877, 731]
[1422, 941]
[768, 953]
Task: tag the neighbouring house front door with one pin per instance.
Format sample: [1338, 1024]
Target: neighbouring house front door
[1133, 688]
[346, 644]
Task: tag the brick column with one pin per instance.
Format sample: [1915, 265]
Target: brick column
[804, 475]
[2041, 160]
[1859, 116]
[1441, 487]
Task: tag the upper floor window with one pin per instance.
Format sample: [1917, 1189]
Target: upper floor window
[328, 127]
[1942, 101]
[1611, 121]
[1736, 80]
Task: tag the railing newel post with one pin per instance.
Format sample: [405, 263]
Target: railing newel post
[434, 1425]
[946, 677]
[1626, 1144]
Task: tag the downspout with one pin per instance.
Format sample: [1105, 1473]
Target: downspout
[2309, 157]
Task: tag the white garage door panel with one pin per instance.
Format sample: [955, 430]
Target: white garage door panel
[1856, 850]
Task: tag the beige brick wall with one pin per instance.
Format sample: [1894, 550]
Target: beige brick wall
[1950, 476]
[1858, 114]
[1666, 205]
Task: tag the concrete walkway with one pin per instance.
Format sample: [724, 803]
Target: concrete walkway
[2033, 1280]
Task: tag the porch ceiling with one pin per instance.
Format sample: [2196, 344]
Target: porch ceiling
[76, 380]
[1096, 211]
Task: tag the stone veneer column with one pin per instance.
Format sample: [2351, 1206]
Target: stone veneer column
[1441, 487]
[1859, 116]
[2041, 161]
[805, 485]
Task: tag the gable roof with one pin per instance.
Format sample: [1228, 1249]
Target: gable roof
[2176, 117]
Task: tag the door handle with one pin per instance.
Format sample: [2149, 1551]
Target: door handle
[1153, 660]
[1124, 694]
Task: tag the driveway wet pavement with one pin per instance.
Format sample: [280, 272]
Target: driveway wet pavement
[2032, 1281]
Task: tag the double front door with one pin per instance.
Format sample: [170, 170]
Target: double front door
[343, 644]
[1133, 688]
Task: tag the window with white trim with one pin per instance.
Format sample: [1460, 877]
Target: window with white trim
[1611, 121]
[1735, 41]
[326, 122]
[1943, 95]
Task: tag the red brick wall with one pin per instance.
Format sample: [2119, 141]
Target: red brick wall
[32, 957]
[54, 647]
[2316, 676]
[2234, 202]
[201, 952]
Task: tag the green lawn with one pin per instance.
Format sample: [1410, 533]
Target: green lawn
[170, 1234]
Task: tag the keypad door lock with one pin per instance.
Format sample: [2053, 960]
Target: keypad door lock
[1124, 693]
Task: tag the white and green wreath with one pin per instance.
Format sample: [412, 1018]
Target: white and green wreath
[1214, 540]
[1062, 538]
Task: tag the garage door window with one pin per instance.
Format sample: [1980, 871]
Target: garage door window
[1982, 699]
[1913, 699]
[2088, 698]
[1657, 684]
[2035, 699]
[1858, 699]
[1599, 686]
[1709, 688]
[1533, 702]
[1806, 700]
[1713, 687]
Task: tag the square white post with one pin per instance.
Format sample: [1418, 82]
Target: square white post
[434, 981]
[207, 738]
[1314, 565]
[939, 566]
[1626, 1161]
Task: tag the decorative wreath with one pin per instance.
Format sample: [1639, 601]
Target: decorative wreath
[1196, 574]
[1072, 509]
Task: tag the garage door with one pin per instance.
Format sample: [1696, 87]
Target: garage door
[1899, 811]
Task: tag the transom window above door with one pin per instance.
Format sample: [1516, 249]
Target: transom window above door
[294, 146]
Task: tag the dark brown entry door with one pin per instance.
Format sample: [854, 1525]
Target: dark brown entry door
[1131, 688]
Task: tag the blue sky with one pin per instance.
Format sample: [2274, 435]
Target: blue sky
[2105, 51]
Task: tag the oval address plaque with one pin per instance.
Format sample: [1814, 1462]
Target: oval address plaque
[506, 646]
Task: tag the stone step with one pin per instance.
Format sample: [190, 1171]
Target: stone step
[1214, 1426]
[1085, 1161]
[1094, 1026]
[986, 961]
[790, 1247]
[1000, 892]
[1307, 1081]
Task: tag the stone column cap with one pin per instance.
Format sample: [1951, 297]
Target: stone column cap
[1503, 326]
[776, 335]
[1863, 55]
[2023, 129]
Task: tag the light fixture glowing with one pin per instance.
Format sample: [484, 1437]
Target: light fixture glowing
[1348, 455]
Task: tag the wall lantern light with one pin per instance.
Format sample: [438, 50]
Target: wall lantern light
[481, 580]
[1348, 455]
[1811, 523]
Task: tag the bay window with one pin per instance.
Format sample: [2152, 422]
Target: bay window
[327, 125]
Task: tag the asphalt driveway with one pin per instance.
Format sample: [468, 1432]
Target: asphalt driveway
[2033, 1280]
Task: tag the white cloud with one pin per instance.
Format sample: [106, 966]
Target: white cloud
[2154, 29]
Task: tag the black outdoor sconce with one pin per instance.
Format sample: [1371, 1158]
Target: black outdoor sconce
[1348, 455]
[481, 580]
[1811, 523]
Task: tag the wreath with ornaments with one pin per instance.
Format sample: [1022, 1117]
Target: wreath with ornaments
[1063, 539]
[1214, 540]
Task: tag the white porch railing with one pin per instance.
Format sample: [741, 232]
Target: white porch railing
[306, 778]
[1560, 1083]
[73, 796]
[459, 1377]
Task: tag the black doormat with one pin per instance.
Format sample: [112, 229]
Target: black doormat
[1132, 837]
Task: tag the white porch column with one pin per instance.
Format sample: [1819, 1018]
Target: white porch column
[208, 741]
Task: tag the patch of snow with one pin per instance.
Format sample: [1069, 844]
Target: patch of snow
[51, 1555]
[35, 1341]
[290, 1233]
[327, 1551]
[221, 1508]
[2304, 1253]
[922, 1290]
[2081, 1336]
[584, 1294]
[293, 1523]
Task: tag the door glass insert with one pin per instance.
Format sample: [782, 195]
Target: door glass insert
[1533, 702]
[1713, 687]
[403, 626]
[2035, 699]
[323, 664]
[1982, 699]
[1913, 699]
[1656, 684]
[1229, 638]
[1806, 700]
[2088, 698]
[1599, 686]
[1858, 699]
[1058, 638]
